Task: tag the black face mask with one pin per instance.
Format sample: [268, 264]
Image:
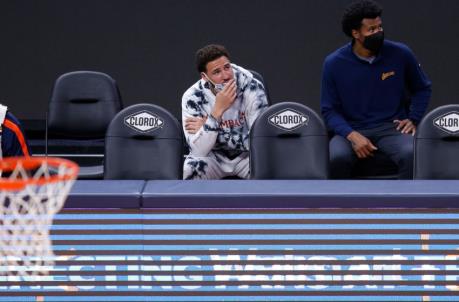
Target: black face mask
[374, 42]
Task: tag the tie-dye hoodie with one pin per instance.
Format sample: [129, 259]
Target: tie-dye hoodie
[231, 134]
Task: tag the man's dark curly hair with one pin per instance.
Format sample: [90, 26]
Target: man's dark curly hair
[208, 54]
[356, 12]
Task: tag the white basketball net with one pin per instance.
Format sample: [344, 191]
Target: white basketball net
[26, 217]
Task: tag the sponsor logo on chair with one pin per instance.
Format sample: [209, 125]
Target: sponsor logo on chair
[289, 119]
[448, 122]
[144, 121]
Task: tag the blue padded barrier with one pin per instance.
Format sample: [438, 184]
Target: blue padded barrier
[105, 194]
[264, 194]
[301, 194]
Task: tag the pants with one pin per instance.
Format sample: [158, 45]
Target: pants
[398, 146]
[216, 166]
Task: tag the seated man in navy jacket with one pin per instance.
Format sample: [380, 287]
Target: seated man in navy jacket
[363, 93]
[13, 141]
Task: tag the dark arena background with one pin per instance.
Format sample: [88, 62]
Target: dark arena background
[148, 46]
[230, 240]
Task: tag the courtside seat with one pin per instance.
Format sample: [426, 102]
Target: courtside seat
[288, 141]
[82, 105]
[436, 146]
[144, 142]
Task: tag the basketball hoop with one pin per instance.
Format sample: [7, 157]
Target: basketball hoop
[32, 190]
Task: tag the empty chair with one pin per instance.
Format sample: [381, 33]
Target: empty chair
[144, 141]
[288, 141]
[82, 105]
[437, 144]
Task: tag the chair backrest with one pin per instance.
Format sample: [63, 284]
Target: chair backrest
[437, 144]
[82, 104]
[288, 141]
[144, 141]
[260, 78]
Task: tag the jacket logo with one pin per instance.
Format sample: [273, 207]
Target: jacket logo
[448, 122]
[288, 119]
[144, 121]
[386, 75]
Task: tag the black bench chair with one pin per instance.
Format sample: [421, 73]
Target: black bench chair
[288, 141]
[144, 142]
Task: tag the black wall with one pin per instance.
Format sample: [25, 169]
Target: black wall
[148, 46]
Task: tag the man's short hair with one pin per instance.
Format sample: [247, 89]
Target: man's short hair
[208, 54]
[356, 12]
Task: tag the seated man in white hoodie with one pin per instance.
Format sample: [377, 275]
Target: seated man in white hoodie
[217, 113]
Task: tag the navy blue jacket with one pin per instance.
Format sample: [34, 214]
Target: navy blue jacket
[358, 95]
[14, 142]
